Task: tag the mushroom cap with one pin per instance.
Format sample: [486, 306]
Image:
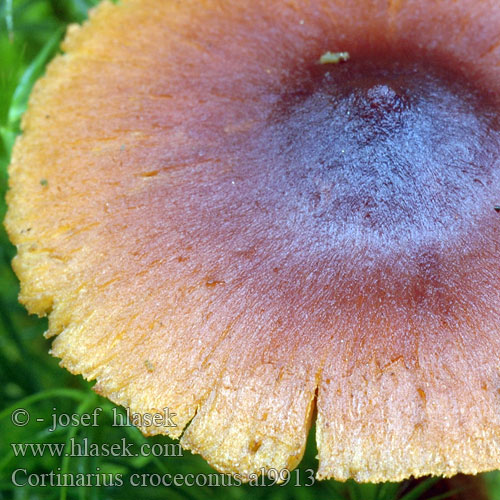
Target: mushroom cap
[217, 224]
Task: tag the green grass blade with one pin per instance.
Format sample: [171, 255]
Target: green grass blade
[448, 494]
[9, 20]
[388, 491]
[420, 489]
[8, 137]
[83, 407]
[32, 73]
[48, 394]
[362, 491]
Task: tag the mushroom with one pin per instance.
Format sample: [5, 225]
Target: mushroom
[221, 222]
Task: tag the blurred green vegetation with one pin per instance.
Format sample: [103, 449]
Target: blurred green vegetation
[30, 32]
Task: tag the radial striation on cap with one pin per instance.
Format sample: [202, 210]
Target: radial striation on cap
[219, 224]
